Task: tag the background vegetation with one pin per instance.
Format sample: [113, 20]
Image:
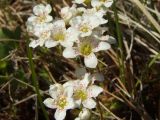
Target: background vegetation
[131, 68]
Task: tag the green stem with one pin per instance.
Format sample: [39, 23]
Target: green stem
[35, 82]
[153, 60]
[120, 44]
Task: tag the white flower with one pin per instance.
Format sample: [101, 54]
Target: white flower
[97, 76]
[82, 1]
[43, 33]
[67, 13]
[98, 34]
[61, 35]
[83, 92]
[30, 27]
[99, 3]
[41, 15]
[61, 100]
[84, 24]
[84, 114]
[87, 47]
[89, 20]
[92, 13]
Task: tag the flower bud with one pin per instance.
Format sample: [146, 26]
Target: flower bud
[84, 114]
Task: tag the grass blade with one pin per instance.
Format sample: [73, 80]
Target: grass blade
[120, 44]
[35, 82]
[148, 15]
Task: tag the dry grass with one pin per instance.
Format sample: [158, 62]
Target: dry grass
[131, 71]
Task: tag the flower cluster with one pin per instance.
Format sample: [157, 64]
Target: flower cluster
[71, 95]
[79, 30]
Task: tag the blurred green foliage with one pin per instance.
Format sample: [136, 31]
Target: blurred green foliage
[7, 44]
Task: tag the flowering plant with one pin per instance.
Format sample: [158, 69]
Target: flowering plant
[80, 31]
[72, 94]
[61, 100]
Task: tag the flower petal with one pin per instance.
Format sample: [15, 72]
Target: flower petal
[75, 21]
[68, 84]
[49, 102]
[68, 91]
[66, 13]
[55, 90]
[94, 90]
[43, 31]
[102, 46]
[108, 3]
[111, 40]
[59, 24]
[66, 43]
[84, 34]
[84, 114]
[69, 53]
[77, 118]
[78, 103]
[91, 61]
[48, 9]
[50, 43]
[60, 114]
[38, 9]
[79, 1]
[85, 81]
[89, 103]
[71, 104]
[30, 27]
[34, 43]
[96, 3]
[41, 42]
[72, 34]
[32, 19]
[49, 18]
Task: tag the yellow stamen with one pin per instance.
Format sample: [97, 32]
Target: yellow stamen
[60, 36]
[41, 19]
[80, 94]
[84, 28]
[61, 102]
[86, 49]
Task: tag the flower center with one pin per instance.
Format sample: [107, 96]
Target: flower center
[59, 36]
[86, 49]
[87, 1]
[102, 0]
[84, 28]
[80, 94]
[41, 19]
[61, 102]
[44, 35]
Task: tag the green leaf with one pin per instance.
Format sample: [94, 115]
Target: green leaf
[8, 33]
[3, 64]
[2, 35]
[154, 60]
[3, 50]
[15, 34]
